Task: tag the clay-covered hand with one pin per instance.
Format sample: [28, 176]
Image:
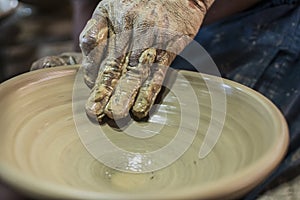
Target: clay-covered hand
[127, 46]
[68, 58]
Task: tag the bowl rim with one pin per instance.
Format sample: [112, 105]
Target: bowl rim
[236, 184]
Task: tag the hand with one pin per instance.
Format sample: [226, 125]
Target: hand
[64, 59]
[127, 46]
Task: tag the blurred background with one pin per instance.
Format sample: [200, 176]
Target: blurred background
[30, 29]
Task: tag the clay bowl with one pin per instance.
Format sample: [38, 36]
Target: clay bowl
[41, 153]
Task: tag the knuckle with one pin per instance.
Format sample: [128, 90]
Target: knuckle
[148, 56]
[87, 43]
[47, 62]
[88, 37]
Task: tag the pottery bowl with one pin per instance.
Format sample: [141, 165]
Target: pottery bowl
[42, 155]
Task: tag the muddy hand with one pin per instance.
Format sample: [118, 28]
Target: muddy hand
[68, 58]
[127, 46]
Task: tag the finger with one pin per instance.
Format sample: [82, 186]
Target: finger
[152, 86]
[91, 64]
[109, 74]
[71, 58]
[93, 46]
[95, 31]
[93, 43]
[128, 86]
[102, 90]
[47, 62]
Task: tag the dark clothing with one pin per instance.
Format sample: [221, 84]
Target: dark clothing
[260, 48]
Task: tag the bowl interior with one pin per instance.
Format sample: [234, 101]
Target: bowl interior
[41, 152]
